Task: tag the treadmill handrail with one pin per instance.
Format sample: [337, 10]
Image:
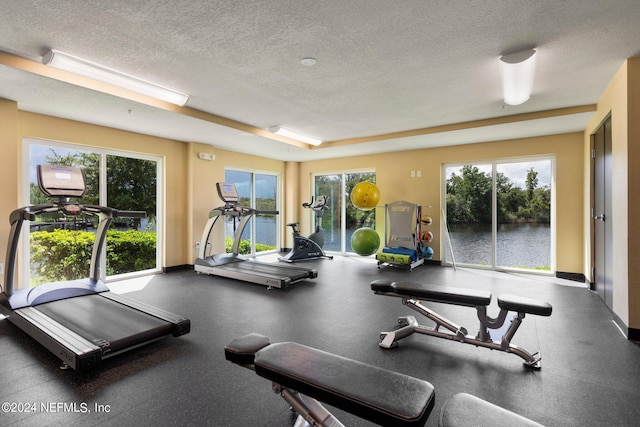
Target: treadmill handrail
[29, 213]
[234, 210]
[229, 210]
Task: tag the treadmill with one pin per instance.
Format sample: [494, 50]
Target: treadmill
[235, 266]
[79, 321]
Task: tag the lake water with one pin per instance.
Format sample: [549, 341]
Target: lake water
[518, 245]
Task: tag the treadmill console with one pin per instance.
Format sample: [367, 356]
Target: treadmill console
[227, 192]
[61, 181]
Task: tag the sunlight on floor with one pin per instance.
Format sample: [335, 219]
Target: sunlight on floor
[130, 285]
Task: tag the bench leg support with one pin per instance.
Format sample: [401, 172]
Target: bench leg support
[310, 411]
[455, 332]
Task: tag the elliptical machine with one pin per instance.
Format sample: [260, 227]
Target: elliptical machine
[309, 247]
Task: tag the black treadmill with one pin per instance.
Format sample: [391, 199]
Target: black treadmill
[235, 266]
[80, 321]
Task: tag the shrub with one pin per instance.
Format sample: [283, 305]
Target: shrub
[60, 255]
[245, 246]
[66, 254]
[130, 250]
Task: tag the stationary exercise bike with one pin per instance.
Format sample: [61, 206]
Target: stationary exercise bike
[309, 247]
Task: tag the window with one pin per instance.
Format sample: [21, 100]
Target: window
[342, 219]
[258, 191]
[113, 179]
[499, 214]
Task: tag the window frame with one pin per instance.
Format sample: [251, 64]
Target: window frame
[445, 243]
[344, 197]
[252, 224]
[28, 142]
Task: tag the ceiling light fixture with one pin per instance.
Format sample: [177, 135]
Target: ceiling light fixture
[308, 61]
[517, 70]
[279, 130]
[85, 68]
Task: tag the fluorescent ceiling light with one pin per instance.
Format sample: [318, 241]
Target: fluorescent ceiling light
[517, 71]
[295, 135]
[85, 68]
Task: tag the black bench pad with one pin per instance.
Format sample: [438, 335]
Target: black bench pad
[445, 294]
[243, 350]
[523, 305]
[372, 393]
[464, 410]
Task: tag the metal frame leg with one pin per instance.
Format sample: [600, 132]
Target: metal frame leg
[310, 411]
[455, 332]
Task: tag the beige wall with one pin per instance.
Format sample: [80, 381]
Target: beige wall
[393, 177]
[633, 141]
[190, 182]
[9, 162]
[203, 176]
[621, 100]
[50, 128]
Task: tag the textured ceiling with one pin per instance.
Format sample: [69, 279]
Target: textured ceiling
[382, 66]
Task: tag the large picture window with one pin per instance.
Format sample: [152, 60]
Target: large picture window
[499, 214]
[59, 248]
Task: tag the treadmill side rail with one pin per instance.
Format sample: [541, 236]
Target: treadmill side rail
[181, 325]
[77, 352]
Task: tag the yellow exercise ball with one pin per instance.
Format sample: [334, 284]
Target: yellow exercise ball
[365, 196]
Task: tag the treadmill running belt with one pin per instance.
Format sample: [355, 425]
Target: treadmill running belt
[110, 325]
[265, 269]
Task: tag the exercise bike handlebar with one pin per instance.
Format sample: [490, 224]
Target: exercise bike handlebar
[320, 203]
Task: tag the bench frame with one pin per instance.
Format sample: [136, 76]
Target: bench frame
[297, 374]
[444, 328]
[310, 411]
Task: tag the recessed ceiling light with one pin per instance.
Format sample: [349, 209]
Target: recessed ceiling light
[308, 61]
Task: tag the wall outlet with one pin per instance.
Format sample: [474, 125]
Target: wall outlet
[1, 268]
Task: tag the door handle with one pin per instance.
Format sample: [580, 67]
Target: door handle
[599, 217]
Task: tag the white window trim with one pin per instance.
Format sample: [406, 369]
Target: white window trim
[24, 267]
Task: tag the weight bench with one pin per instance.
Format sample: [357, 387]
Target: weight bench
[464, 410]
[303, 376]
[494, 333]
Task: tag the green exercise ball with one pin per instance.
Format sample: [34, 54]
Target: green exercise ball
[365, 241]
[365, 195]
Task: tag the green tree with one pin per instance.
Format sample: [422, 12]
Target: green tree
[469, 196]
[131, 184]
[509, 198]
[531, 183]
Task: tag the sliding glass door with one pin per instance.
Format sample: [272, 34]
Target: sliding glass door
[523, 235]
[499, 214]
[342, 219]
[258, 191]
[59, 247]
